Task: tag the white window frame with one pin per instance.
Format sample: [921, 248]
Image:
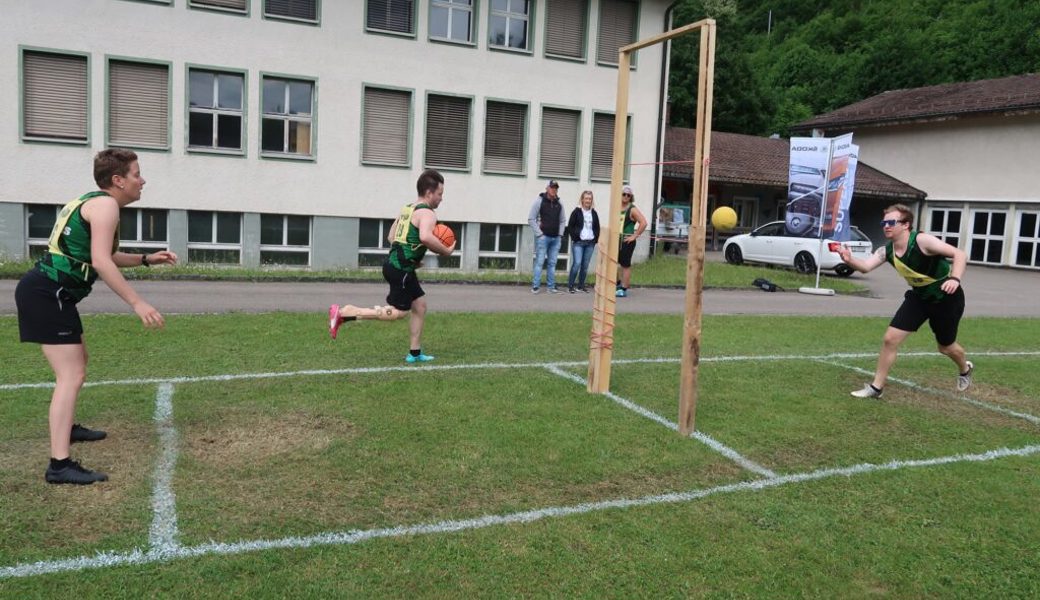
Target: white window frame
[217, 111]
[135, 242]
[988, 236]
[384, 226]
[287, 117]
[497, 253]
[213, 244]
[285, 246]
[941, 231]
[510, 16]
[1018, 238]
[39, 242]
[454, 11]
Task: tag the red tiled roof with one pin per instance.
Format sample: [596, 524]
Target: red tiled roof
[1019, 93]
[749, 159]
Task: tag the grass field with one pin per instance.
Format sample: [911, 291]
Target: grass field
[251, 456]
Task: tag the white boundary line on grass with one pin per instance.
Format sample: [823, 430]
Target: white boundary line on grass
[162, 536]
[705, 439]
[961, 397]
[136, 557]
[543, 365]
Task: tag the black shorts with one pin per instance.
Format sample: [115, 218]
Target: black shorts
[943, 317]
[404, 287]
[624, 257]
[46, 311]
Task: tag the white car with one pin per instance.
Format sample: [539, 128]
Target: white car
[771, 244]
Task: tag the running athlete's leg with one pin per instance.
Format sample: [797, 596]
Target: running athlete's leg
[889, 349]
[416, 324]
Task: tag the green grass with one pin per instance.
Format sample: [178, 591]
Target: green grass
[660, 271]
[303, 455]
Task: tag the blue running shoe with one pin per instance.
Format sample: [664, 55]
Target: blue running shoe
[418, 359]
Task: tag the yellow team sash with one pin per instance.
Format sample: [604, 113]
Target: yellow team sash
[911, 276]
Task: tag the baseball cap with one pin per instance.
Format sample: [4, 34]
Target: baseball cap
[553, 183]
[627, 190]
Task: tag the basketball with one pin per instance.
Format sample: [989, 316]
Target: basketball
[724, 218]
[444, 234]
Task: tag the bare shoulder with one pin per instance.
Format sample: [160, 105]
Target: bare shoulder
[100, 207]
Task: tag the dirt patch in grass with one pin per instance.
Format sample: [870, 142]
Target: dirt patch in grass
[251, 438]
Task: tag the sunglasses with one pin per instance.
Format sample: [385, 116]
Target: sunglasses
[626, 195]
[891, 222]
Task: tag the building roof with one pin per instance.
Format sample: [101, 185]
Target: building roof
[1017, 94]
[749, 159]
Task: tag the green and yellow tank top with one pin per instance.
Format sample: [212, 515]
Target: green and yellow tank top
[68, 260]
[626, 224]
[924, 273]
[406, 251]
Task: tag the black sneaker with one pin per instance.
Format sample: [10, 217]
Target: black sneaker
[74, 474]
[82, 434]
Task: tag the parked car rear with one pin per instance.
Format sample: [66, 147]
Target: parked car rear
[771, 244]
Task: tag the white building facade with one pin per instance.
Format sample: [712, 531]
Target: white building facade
[290, 132]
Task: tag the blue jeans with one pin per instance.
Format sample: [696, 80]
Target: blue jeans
[581, 254]
[545, 247]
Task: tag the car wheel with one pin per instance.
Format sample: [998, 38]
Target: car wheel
[843, 270]
[734, 255]
[804, 263]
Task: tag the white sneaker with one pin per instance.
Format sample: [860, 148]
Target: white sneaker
[868, 391]
[964, 381]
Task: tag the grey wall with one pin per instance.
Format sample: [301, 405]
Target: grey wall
[12, 231]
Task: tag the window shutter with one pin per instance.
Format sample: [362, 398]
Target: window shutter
[559, 142]
[138, 104]
[55, 100]
[565, 28]
[447, 132]
[239, 5]
[617, 28]
[504, 137]
[391, 15]
[602, 145]
[386, 125]
[306, 10]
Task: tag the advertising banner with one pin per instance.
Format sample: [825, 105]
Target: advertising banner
[814, 209]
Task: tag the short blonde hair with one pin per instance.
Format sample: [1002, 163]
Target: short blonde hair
[905, 214]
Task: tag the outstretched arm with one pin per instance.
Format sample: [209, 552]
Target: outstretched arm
[862, 265]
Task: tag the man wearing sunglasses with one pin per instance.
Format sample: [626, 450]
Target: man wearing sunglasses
[935, 293]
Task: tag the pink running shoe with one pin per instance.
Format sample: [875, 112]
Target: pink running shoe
[334, 320]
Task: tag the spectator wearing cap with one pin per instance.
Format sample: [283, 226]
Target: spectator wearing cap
[631, 224]
[548, 223]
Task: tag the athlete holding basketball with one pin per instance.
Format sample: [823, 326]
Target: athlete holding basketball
[410, 237]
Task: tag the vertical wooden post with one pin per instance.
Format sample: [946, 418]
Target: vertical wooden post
[691, 349]
[601, 347]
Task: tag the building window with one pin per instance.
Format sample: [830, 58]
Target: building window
[237, 6]
[142, 230]
[288, 115]
[509, 24]
[603, 147]
[215, 110]
[559, 153]
[40, 219]
[387, 119]
[566, 26]
[498, 246]
[505, 128]
[451, 20]
[372, 242]
[617, 28]
[285, 240]
[987, 236]
[945, 224]
[447, 132]
[297, 10]
[54, 96]
[214, 237]
[138, 104]
[394, 16]
[1027, 239]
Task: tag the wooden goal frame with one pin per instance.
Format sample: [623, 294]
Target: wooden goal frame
[602, 335]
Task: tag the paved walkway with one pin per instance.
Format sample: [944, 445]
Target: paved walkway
[990, 292]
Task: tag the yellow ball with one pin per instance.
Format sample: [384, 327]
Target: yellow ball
[724, 218]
